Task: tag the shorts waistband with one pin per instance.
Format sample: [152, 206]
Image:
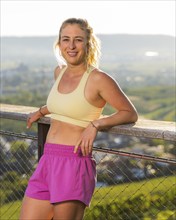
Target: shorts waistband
[63, 150]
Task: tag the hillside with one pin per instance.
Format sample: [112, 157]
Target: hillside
[133, 60]
[116, 47]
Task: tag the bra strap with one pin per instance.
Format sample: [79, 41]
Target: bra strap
[61, 74]
[85, 77]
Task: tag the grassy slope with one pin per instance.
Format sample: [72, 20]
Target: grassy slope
[132, 189]
[106, 194]
[155, 103]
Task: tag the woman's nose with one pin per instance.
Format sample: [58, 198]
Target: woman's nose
[72, 44]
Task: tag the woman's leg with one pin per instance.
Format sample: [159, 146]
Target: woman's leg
[70, 210]
[33, 209]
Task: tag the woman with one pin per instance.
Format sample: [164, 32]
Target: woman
[64, 181]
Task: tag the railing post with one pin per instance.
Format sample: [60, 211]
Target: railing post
[42, 132]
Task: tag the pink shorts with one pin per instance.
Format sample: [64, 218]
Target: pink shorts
[63, 175]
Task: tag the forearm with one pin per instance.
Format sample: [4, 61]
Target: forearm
[43, 111]
[121, 117]
[35, 116]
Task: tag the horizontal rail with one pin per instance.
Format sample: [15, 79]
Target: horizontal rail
[134, 155]
[19, 135]
[142, 128]
[101, 149]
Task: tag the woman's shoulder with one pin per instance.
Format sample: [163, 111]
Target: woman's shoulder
[57, 71]
[104, 81]
[100, 75]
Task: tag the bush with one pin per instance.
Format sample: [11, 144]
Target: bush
[150, 207]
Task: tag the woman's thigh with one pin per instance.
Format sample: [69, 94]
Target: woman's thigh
[71, 210]
[33, 209]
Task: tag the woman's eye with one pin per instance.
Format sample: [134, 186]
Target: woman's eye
[79, 40]
[64, 39]
[75, 40]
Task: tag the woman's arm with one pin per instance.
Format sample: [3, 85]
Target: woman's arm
[35, 116]
[42, 111]
[111, 92]
[108, 92]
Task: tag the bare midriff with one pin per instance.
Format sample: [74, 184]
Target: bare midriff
[63, 133]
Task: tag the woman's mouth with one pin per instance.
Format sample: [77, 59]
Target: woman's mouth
[72, 54]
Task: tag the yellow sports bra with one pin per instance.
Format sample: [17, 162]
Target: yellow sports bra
[72, 107]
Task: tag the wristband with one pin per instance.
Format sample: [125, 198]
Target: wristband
[41, 112]
[94, 125]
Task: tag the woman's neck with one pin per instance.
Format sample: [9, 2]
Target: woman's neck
[77, 68]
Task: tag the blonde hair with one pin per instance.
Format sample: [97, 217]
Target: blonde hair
[93, 43]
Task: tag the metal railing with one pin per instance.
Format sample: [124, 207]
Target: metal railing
[135, 176]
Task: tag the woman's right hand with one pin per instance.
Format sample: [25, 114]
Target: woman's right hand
[34, 116]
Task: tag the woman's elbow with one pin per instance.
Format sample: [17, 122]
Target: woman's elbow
[134, 117]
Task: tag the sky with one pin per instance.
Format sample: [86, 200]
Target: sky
[43, 18]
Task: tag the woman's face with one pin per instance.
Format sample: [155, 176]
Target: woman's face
[73, 44]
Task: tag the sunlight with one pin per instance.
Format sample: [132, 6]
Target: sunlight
[151, 53]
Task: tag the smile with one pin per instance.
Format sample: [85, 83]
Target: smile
[72, 54]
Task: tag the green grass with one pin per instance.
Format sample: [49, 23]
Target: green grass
[130, 189]
[10, 211]
[157, 103]
[107, 194]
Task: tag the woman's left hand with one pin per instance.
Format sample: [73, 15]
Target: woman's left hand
[86, 140]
